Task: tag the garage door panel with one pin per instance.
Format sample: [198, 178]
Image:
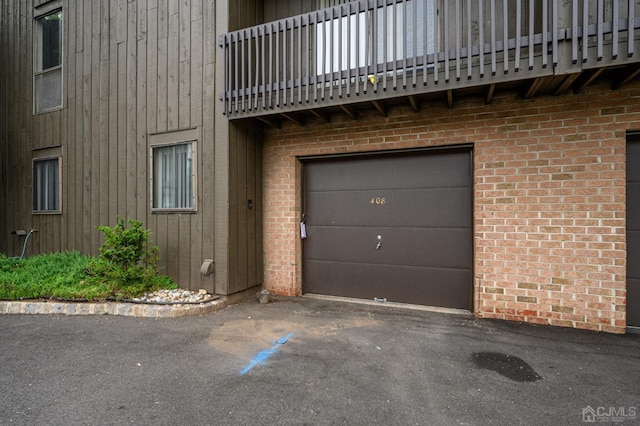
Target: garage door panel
[444, 207]
[633, 234]
[633, 301]
[427, 286]
[445, 248]
[633, 162]
[633, 246]
[633, 205]
[389, 172]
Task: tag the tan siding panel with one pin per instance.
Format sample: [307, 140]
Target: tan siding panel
[197, 256]
[92, 36]
[163, 78]
[141, 130]
[173, 71]
[184, 68]
[173, 248]
[259, 206]
[233, 208]
[152, 69]
[121, 162]
[183, 257]
[112, 158]
[104, 111]
[160, 238]
[251, 213]
[196, 89]
[131, 103]
[241, 210]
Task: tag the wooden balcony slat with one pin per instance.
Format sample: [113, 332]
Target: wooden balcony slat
[505, 36]
[493, 39]
[632, 26]
[545, 31]
[554, 33]
[616, 28]
[530, 33]
[458, 39]
[574, 33]
[434, 64]
[600, 19]
[308, 62]
[271, 66]
[237, 76]
[469, 40]
[481, 35]
[518, 34]
[585, 30]
[263, 68]
[292, 59]
[415, 41]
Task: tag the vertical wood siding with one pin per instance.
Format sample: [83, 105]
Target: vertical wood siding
[245, 224]
[245, 181]
[131, 69]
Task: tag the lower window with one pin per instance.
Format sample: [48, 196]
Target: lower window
[173, 176]
[46, 185]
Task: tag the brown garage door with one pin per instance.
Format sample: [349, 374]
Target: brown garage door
[395, 226]
[633, 233]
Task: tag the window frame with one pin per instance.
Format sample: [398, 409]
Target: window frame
[165, 140]
[38, 72]
[49, 154]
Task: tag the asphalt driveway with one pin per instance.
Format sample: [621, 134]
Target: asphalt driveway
[307, 361]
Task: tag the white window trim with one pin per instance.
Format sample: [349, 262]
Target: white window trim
[52, 153]
[38, 13]
[181, 137]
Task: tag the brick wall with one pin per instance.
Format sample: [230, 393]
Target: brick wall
[549, 197]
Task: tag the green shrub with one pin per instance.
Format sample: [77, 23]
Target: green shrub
[128, 261]
[48, 275]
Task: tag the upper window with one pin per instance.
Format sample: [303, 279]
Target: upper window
[173, 171]
[46, 185]
[48, 62]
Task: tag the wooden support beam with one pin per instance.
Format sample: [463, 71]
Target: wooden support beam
[270, 122]
[490, 92]
[351, 112]
[626, 75]
[566, 84]
[321, 116]
[380, 106]
[293, 119]
[533, 88]
[415, 105]
[450, 98]
[585, 79]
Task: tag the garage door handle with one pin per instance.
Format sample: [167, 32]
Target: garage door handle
[378, 245]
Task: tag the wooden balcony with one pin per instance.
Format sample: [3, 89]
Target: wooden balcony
[373, 53]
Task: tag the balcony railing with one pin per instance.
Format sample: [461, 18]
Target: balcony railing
[376, 49]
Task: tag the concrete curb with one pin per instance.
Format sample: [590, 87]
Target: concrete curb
[140, 310]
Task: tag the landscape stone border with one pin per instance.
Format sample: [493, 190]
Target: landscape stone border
[140, 310]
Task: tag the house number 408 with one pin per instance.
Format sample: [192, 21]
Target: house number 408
[378, 200]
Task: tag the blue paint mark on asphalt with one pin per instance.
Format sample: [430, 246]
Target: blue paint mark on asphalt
[262, 357]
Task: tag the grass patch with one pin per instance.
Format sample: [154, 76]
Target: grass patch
[64, 276]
